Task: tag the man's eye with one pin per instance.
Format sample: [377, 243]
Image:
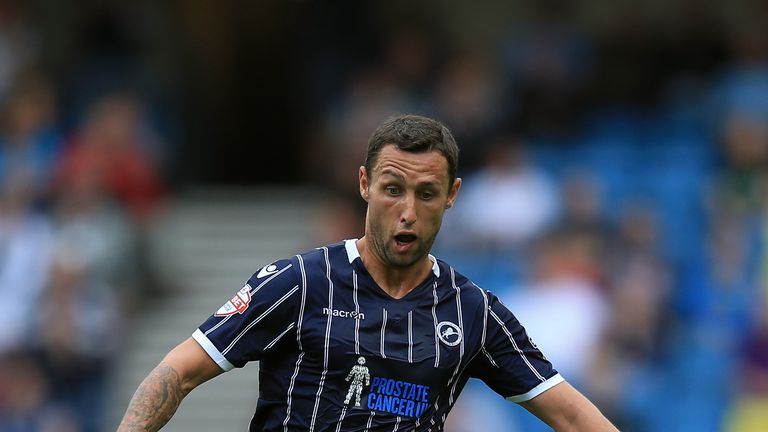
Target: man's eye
[427, 195]
[392, 190]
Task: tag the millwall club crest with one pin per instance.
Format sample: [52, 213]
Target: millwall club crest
[449, 333]
[237, 304]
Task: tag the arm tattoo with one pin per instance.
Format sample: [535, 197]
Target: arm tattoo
[154, 402]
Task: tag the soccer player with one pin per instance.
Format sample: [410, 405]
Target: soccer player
[372, 333]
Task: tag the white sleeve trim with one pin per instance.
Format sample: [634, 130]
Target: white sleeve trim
[539, 389]
[212, 351]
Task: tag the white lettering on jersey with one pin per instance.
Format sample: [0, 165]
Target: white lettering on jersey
[344, 314]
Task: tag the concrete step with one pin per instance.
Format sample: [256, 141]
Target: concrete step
[225, 403]
[205, 248]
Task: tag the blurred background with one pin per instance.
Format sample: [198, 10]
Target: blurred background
[615, 163]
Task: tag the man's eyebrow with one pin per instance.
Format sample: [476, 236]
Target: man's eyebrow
[391, 173]
[400, 177]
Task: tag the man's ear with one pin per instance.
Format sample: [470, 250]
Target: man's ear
[453, 193]
[363, 178]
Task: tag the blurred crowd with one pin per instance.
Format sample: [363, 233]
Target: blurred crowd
[615, 197]
[74, 206]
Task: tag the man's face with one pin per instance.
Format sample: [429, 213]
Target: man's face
[407, 194]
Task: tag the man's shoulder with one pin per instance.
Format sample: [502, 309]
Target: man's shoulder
[297, 270]
[318, 261]
[454, 277]
[456, 281]
[321, 254]
[301, 261]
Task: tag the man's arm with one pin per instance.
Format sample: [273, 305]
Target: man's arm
[161, 392]
[565, 409]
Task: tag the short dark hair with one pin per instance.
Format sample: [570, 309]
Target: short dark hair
[416, 134]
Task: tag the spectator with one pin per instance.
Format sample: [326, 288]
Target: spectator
[30, 140]
[582, 216]
[743, 87]
[113, 147]
[629, 350]
[562, 285]
[506, 203]
[78, 334]
[89, 221]
[25, 242]
[24, 392]
[546, 63]
[744, 178]
[372, 95]
[468, 98]
[750, 412]
[19, 44]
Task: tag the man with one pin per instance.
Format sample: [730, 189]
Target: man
[370, 334]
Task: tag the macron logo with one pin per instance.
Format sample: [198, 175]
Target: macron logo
[343, 313]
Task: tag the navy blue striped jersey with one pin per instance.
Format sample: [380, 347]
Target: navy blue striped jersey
[338, 354]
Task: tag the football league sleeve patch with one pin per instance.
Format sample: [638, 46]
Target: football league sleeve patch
[255, 319]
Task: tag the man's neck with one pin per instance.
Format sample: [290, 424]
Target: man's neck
[395, 281]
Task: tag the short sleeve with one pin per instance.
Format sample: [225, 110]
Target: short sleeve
[510, 363]
[254, 320]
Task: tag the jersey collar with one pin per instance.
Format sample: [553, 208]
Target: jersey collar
[353, 254]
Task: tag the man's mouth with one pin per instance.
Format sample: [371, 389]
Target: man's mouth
[404, 239]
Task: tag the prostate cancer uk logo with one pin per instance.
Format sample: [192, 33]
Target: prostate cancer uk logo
[237, 304]
[389, 395]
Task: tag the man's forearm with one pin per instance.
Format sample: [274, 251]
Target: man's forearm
[583, 416]
[155, 401]
[591, 421]
[566, 410]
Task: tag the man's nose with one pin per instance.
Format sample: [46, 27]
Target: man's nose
[408, 210]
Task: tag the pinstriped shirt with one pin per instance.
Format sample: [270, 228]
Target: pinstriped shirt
[338, 353]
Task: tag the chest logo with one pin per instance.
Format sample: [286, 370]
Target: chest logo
[449, 333]
[358, 374]
[390, 395]
[344, 314]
